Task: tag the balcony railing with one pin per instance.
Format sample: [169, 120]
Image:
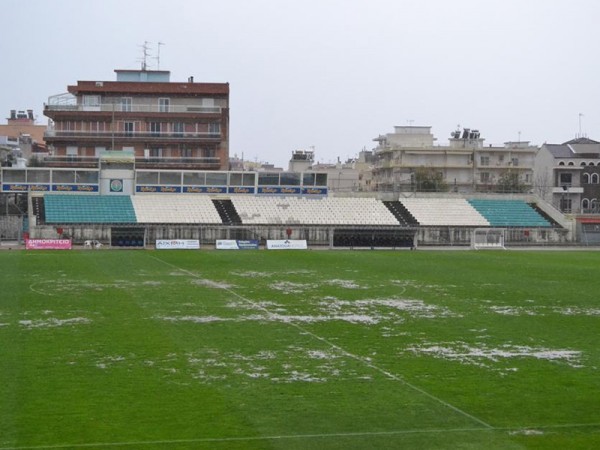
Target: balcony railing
[131, 135]
[140, 161]
[167, 162]
[146, 108]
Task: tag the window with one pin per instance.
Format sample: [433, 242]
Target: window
[72, 153]
[484, 177]
[128, 128]
[308, 179]
[147, 177]
[571, 163]
[562, 163]
[500, 158]
[585, 178]
[565, 179]
[63, 176]
[484, 160]
[178, 128]
[235, 179]
[126, 104]
[14, 176]
[91, 101]
[82, 176]
[163, 104]
[565, 205]
[595, 179]
[186, 152]
[214, 128]
[585, 204]
[268, 179]
[194, 178]
[38, 176]
[155, 129]
[290, 179]
[216, 179]
[321, 179]
[514, 161]
[170, 177]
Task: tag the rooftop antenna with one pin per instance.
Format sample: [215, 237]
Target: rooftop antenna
[410, 122]
[145, 54]
[158, 56]
[580, 116]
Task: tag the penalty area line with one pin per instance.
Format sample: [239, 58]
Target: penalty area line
[358, 358]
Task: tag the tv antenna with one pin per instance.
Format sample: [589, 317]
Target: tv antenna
[158, 55]
[580, 116]
[145, 54]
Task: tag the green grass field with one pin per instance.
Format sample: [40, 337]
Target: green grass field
[299, 350]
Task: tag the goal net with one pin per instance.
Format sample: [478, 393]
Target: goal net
[488, 238]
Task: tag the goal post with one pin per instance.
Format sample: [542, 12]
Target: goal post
[488, 238]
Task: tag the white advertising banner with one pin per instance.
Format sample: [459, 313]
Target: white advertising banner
[177, 244]
[288, 244]
[232, 244]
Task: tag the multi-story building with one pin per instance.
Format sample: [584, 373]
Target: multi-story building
[568, 175]
[22, 134]
[165, 124]
[409, 160]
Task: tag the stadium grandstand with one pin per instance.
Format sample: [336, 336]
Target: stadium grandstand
[117, 205]
[323, 221]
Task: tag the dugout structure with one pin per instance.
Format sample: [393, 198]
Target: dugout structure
[488, 239]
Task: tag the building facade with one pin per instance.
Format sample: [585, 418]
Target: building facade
[165, 124]
[568, 175]
[409, 160]
[21, 136]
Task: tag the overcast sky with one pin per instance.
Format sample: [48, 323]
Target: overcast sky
[328, 74]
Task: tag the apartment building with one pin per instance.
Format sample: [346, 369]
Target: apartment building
[409, 160]
[166, 125]
[568, 175]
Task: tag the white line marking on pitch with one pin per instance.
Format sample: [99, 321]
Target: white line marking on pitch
[298, 436]
[345, 352]
[250, 438]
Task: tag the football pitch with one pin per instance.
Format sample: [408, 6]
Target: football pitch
[299, 349]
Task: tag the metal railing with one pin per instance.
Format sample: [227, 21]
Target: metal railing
[144, 108]
[51, 133]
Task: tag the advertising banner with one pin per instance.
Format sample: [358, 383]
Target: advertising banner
[230, 244]
[241, 190]
[75, 188]
[158, 189]
[19, 187]
[204, 190]
[277, 190]
[177, 244]
[48, 244]
[314, 191]
[288, 244]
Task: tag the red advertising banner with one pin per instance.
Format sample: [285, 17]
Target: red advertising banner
[48, 244]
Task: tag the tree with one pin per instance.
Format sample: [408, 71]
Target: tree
[428, 179]
[510, 182]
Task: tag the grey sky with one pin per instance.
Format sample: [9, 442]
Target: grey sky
[332, 74]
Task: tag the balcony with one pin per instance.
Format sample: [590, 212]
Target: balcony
[132, 109]
[203, 163]
[131, 135]
[157, 162]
